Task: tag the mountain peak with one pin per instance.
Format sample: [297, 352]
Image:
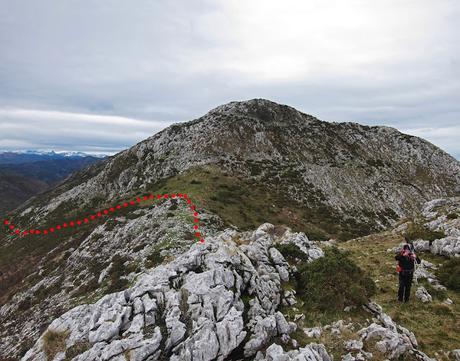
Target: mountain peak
[245, 105]
[262, 109]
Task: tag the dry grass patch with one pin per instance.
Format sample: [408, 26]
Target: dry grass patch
[54, 342]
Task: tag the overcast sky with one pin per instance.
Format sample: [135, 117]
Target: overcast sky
[99, 76]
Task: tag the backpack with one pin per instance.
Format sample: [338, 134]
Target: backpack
[411, 255]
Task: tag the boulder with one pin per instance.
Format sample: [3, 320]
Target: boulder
[456, 354]
[311, 352]
[421, 245]
[353, 345]
[313, 332]
[348, 357]
[448, 246]
[390, 339]
[422, 294]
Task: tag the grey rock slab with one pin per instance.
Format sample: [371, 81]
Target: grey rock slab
[422, 294]
[353, 345]
[230, 332]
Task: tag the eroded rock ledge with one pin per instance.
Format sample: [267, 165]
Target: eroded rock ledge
[215, 301]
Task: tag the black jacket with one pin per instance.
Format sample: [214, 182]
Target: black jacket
[407, 262]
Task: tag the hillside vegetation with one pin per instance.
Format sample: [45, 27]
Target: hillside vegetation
[436, 324]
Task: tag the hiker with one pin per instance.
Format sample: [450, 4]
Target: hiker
[410, 244]
[406, 265]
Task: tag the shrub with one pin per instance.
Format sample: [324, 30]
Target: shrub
[291, 252]
[117, 271]
[332, 282]
[53, 343]
[25, 304]
[96, 236]
[442, 310]
[86, 288]
[419, 231]
[449, 274]
[154, 259]
[117, 285]
[139, 247]
[110, 224]
[25, 346]
[317, 234]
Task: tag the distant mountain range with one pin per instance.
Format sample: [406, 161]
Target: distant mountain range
[25, 174]
[27, 156]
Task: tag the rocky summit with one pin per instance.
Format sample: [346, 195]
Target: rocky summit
[278, 192]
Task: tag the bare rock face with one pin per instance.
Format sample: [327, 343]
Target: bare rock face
[448, 246]
[390, 338]
[211, 302]
[311, 352]
[109, 253]
[422, 294]
[442, 215]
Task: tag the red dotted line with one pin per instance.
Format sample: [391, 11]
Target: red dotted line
[74, 224]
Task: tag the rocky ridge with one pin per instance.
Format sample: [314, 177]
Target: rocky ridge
[441, 216]
[212, 301]
[86, 266]
[363, 178]
[215, 301]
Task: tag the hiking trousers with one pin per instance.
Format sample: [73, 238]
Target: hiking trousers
[405, 282]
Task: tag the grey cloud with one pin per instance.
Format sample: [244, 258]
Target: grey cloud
[389, 63]
[71, 131]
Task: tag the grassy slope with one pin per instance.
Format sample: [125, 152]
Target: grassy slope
[246, 204]
[20, 258]
[237, 201]
[436, 325]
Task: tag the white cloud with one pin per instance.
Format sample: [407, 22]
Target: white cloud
[313, 40]
[376, 62]
[38, 129]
